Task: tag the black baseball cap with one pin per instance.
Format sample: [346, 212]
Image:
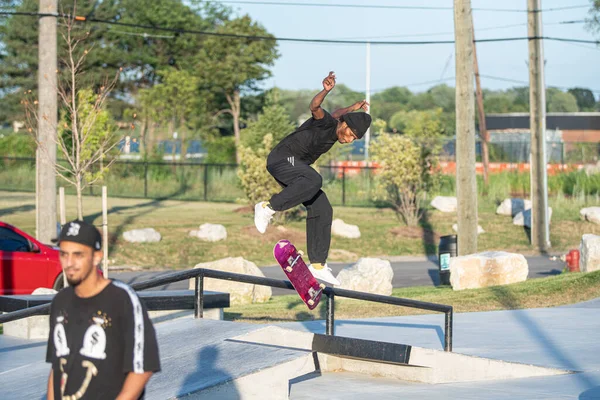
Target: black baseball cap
[80, 232]
[359, 122]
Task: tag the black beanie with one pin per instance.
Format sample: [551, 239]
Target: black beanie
[359, 122]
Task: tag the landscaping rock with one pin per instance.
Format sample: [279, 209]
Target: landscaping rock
[591, 214]
[147, 235]
[592, 169]
[444, 204]
[370, 275]
[490, 268]
[210, 232]
[512, 207]
[240, 293]
[524, 218]
[589, 253]
[342, 229]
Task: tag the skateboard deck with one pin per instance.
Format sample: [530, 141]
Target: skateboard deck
[290, 260]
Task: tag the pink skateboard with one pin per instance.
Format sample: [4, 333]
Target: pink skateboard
[298, 273]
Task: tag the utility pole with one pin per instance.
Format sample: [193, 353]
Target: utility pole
[540, 233]
[47, 123]
[483, 133]
[368, 98]
[466, 182]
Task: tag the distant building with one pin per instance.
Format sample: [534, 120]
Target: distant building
[565, 133]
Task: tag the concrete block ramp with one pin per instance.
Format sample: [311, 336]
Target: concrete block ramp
[391, 360]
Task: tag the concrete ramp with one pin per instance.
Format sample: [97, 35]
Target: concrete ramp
[390, 360]
[200, 361]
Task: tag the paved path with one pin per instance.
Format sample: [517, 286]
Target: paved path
[409, 272]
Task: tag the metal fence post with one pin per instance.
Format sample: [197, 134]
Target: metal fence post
[145, 179]
[343, 186]
[205, 182]
[199, 296]
[330, 317]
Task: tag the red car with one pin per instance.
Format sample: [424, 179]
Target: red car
[26, 264]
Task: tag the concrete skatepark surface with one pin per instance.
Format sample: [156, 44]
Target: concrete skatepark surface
[198, 354]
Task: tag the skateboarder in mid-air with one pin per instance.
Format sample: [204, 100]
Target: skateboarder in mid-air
[289, 163]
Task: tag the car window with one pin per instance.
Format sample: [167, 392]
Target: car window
[12, 241]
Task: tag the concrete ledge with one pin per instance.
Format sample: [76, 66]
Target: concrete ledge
[269, 384]
[160, 305]
[421, 364]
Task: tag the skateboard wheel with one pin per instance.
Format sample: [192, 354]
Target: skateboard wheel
[322, 285]
[288, 269]
[311, 302]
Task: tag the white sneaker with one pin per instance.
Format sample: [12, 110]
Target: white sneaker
[262, 216]
[324, 274]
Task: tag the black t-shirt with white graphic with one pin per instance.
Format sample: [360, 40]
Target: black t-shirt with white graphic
[307, 143]
[95, 342]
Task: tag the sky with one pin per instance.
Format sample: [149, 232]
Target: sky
[304, 65]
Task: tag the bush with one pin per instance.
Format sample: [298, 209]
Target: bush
[400, 179]
[220, 150]
[256, 181]
[17, 145]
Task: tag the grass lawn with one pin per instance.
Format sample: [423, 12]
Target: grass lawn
[567, 288]
[383, 234]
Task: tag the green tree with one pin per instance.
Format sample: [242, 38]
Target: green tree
[272, 121]
[559, 101]
[174, 102]
[140, 53]
[593, 23]
[399, 177]
[388, 102]
[232, 65]
[408, 161]
[85, 132]
[585, 98]
[258, 184]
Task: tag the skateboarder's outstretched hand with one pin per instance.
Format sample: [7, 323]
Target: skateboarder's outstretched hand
[329, 81]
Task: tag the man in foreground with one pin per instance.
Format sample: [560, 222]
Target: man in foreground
[102, 344]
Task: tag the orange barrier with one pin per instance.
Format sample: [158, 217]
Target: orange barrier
[353, 168]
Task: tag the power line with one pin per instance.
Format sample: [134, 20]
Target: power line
[496, 78]
[290, 39]
[386, 7]
[489, 28]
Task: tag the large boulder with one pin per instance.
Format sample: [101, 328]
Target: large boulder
[142, 236]
[210, 232]
[512, 207]
[592, 169]
[240, 293]
[590, 253]
[342, 229]
[370, 275]
[524, 218]
[444, 204]
[591, 214]
[490, 268]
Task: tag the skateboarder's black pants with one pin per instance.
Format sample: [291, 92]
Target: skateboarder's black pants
[302, 185]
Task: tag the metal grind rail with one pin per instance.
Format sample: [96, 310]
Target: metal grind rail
[331, 293]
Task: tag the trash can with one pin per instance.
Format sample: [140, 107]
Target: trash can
[448, 248]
